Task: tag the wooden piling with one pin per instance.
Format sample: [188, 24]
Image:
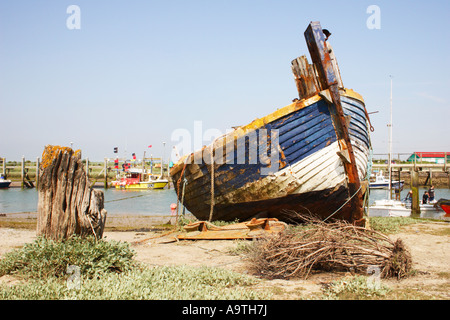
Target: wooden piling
[37, 172]
[106, 173]
[67, 204]
[415, 205]
[22, 173]
[429, 180]
[448, 175]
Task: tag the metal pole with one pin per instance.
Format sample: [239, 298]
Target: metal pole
[390, 148]
[162, 160]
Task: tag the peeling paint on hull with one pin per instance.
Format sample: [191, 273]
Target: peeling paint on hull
[314, 183]
[321, 203]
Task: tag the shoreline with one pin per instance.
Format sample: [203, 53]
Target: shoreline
[428, 242]
[114, 221]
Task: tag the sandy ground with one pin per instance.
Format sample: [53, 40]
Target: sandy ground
[429, 244]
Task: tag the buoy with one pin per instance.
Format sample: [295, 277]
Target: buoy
[173, 208]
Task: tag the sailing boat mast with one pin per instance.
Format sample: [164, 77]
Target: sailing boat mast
[390, 148]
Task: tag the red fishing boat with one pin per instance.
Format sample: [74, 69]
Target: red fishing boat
[445, 205]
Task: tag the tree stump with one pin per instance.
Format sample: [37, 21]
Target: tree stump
[67, 203]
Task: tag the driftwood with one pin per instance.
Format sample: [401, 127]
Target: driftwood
[67, 204]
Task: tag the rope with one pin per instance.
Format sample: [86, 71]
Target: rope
[372, 129]
[141, 195]
[211, 210]
[178, 184]
[343, 204]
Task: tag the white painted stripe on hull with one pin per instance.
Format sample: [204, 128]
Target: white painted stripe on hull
[319, 171]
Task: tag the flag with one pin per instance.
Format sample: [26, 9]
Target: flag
[116, 149]
[150, 146]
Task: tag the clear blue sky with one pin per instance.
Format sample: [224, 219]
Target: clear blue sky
[136, 71]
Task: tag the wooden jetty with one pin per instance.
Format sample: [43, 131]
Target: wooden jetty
[429, 172]
[25, 173]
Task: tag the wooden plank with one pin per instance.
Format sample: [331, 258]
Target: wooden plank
[305, 78]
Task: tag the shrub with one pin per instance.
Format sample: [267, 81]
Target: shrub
[172, 283]
[44, 258]
[389, 225]
[355, 288]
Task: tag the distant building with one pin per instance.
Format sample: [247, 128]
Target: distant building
[432, 157]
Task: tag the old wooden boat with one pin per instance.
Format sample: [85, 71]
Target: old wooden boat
[310, 156]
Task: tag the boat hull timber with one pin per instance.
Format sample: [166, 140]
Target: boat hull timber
[310, 157]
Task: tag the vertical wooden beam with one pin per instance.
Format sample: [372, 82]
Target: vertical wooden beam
[4, 167]
[328, 79]
[445, 161]
[37, 171]
[105, 168]
[23, 172]
[305, 78]
[448, 176]
[430, 170]
[415, 207]
[87, 168]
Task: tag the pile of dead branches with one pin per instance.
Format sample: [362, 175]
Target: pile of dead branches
[337, 246]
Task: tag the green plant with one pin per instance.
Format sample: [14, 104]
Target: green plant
[389, 225]
[172, 283]
[355, 288]
[184, 220]
[44, 258]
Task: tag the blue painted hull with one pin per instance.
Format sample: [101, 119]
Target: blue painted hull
[302, 134]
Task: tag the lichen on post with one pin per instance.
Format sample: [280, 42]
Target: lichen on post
[67, 203]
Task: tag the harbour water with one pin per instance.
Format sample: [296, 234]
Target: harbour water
[145, 202]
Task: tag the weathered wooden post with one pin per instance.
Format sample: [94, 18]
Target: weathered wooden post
[22, 172]
[4, 167]
[415, 207]
[37, 171]
[87, 168]
[67, 204]
[105, 168]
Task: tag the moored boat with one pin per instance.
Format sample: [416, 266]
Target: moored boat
[383, 183]
[135, 178]
[397, 208]
[445, 205]
[310, 156]
[4, 183]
